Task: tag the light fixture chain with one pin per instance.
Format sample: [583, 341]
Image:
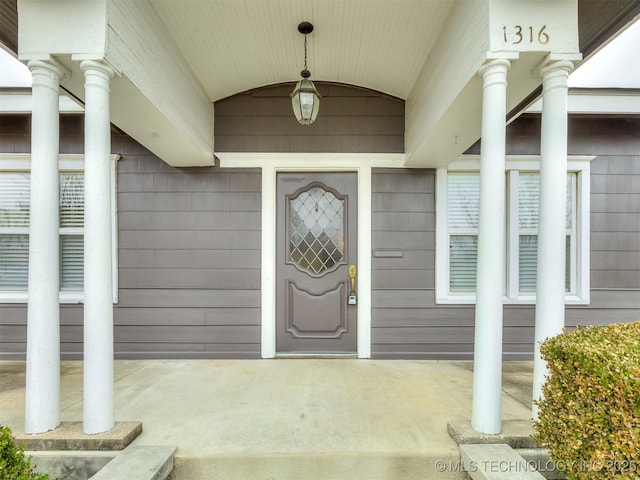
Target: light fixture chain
[305, 51]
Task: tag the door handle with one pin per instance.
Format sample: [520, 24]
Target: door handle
[352, 276]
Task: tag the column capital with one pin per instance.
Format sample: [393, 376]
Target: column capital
[47, 73]
[496, 59]
[494, 63]
[494, 71]
[97, 74]
[99, 66]
[556, 63]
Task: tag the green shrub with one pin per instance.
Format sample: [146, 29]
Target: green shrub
[589, 416]
[13, 464]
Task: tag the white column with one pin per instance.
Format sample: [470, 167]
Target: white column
[42, 401]
[487, 366]
[550, 290]
[98, 295]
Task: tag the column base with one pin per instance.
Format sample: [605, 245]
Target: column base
[515, 433]
[69, 436]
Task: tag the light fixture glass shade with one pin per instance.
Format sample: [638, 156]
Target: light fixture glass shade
[305, 100]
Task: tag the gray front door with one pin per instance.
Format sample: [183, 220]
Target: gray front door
[316, 246]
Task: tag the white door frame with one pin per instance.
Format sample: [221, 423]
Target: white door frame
[271, 164]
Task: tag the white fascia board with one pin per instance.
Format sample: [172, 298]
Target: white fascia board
[460, 125]
[598, 101]
[136, 115]
[451, 66]
[22, 102]
[158, 100]
[300, 162]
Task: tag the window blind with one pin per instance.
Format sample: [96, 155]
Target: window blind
[14, 230]
[528, 200]
[463, 201]
[14, 199]
[463, 259]
[14, 262]
[463, 212]
[528, 209]
[71, 200]
[528, 262]
[71, 262]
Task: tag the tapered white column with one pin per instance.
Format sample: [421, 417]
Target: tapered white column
[487, 366]
[42, 401]
[550, 289]
[98, 295]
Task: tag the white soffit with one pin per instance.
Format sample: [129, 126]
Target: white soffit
[234, 46]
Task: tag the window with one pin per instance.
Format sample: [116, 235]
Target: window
[71, 231]
[526, 188]
[463, 208]
[458, 195]
[14, 230]
[316, 230]
[14, 227]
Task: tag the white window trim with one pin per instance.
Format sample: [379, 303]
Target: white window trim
[21, 162]
[581, 165]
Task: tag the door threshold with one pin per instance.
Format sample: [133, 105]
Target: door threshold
[310, 355]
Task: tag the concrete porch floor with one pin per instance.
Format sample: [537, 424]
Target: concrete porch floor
[290, 418]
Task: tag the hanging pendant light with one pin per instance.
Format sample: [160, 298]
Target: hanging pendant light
[305, 99]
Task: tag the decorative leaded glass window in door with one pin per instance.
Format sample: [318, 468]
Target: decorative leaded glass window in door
[316, 229]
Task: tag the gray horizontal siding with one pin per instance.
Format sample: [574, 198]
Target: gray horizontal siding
[181, 278]
[615, 195]
[425, 298]
[188, 252]
[188, 239]
[403, 223]
[351, 119]
[186, 220]
[615, 217]
[189, 261]
[406, 321]
[186, 298]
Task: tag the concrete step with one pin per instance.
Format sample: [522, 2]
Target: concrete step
[133, 463]
[70, 464]
[338, 466]
[496, 462]
[139, 463]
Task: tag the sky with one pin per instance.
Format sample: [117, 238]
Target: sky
[617, 65]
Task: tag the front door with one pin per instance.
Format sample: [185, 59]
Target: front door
[316, 260]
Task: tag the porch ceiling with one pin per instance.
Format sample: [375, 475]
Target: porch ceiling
[175, 57]
[233, 46]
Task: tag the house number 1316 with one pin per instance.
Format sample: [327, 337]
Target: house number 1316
[518, 34]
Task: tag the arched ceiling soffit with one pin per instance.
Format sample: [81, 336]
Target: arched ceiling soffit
[326, 89]
[236, 46]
